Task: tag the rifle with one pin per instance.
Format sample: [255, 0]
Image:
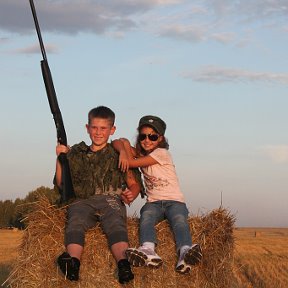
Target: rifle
[66, 190]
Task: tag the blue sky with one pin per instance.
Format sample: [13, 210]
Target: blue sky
[215, 71]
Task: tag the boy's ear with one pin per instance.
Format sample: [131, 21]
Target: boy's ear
[113, 129]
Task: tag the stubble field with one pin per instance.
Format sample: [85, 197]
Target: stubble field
[260, 258]
[9, 241]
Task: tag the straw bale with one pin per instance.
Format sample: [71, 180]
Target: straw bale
[43, 242]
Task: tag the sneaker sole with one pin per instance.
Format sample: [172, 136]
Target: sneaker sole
[183, 269]
[139, 259]
[194, 255]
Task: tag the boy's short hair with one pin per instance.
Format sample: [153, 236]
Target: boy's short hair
[101, 112]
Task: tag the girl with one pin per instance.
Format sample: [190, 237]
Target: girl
[164, 197]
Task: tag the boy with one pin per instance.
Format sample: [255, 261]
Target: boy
[98, 185]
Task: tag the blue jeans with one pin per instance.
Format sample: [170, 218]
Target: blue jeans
[175, 212]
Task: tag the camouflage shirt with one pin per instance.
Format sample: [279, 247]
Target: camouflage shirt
[96, 172]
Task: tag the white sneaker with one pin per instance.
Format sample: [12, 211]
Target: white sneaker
[143, 256]
[190, 256]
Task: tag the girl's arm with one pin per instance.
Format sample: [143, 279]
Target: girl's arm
[142, 161]
[123, 164]
[123, 144]
[126, 152]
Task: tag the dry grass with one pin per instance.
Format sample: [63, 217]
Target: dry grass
[261, 257]
[9, 241]
[260, 261]
[43, 242]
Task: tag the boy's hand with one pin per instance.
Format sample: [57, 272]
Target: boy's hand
[127, 196]
[62, 149]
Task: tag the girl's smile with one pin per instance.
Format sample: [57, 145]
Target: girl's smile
[148, 144]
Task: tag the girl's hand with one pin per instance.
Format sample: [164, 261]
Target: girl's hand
[62, 149]
[123, 161]
[124, 140]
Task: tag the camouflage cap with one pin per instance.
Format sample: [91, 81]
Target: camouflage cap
[153, 121]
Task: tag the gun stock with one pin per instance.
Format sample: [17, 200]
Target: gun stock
[66, 190]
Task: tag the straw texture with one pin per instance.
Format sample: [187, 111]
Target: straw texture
[43, 242]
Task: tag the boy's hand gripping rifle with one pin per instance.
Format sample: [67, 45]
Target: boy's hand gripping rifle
[66, 190]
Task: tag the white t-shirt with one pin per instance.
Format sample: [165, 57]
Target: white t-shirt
[161, 180]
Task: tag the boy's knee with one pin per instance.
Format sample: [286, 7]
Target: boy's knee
[75, 237]
[117, 237]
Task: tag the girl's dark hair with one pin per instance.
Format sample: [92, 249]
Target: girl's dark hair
[141, 151]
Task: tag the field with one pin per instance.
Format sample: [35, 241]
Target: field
[9, 241]
[260, 258]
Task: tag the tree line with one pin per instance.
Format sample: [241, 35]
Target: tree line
[13, 212]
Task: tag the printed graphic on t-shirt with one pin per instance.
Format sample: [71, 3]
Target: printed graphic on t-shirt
[154, 182]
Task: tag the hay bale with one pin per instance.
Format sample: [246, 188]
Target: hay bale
[44, 237]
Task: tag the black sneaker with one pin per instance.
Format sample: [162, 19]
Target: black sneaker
[124, 271]
[69, 266]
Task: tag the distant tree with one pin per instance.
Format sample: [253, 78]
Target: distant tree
[24, 208]
[12, 213]
[18, 214]
[2, 217]
[34, 196]
[6, 213]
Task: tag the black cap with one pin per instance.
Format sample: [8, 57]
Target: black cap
[153, 121]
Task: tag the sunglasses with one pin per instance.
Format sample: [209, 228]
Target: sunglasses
[151, 137]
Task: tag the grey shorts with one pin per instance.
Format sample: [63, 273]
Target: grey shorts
[83, 214]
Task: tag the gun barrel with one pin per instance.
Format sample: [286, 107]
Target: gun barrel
[66, 190]
[38, 29]
[53, 103]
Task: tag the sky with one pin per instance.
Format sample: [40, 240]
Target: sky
[215, 71]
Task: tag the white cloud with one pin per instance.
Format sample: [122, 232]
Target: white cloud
[165, 2]
[277, 153]
[249, 10]
[189, 33]
[73, 16]
[4, 40]
[225, 21]
[227, 37]
[35, 49]
[217, 74]
[217, 20]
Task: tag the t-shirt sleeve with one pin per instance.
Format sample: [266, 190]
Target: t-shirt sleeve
[161, 155]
